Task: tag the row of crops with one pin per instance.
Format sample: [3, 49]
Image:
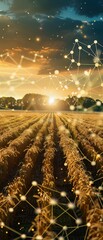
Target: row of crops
[51, 176]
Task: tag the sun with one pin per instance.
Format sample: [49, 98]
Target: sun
[51, 100]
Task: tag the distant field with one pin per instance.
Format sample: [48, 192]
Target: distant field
[51, 176]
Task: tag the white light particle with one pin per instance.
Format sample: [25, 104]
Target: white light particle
[71, 205]
[78, 64]
[37, 210]
[98, 103]
[72, 107]
[77, 192]
[76, 40]
[53, 201]
[23, 198]
[34, 183]
[63, 194]
[56, 72]
[78, 221]
[89, 46]
[39, 237]
[71, 52]
[52, 221]
[88, 224]
[23, 236]
[95, 41]
[80, 48]
[2, 224]
[65, 228]
[61, 238]
[96, 64]
[72, 60]
[65, 164]
[11, 210]
[93, 163]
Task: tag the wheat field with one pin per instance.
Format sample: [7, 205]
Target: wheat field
[51, 176]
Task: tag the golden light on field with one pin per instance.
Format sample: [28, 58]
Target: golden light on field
[51, 101]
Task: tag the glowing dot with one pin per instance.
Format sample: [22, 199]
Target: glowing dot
[98, 103]
[61, 238]
[23, 198]
[65, 56]
[72, 60]
[100, 188]
[77, 192]
[71, 52]
[65, 164]
[95, 41]
[88, 224]
[89, 46]
[39, 237]
[63, 194]
[72, 107]
[23, 236]
[52, 221]
[2, 224]
[65, 228]
[93, 163]
[71, 205]
[96, 64]
[78, 221]
[38, 39]
[101, 84]
[53, 201]
[76, 40]
[56, 72]
[34, 183]
[38, 210]
[80, 48]
[90, 183]
[87, 73]
[11, 210]
[78, 64]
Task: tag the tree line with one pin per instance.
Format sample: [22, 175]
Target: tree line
[33, 101]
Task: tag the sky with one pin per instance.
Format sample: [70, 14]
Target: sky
[51, 47]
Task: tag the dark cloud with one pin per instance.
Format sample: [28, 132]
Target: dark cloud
[39, 6]
[88, 8]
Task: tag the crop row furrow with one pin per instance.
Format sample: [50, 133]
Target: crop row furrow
[19, 185]
[86, 194]
[42, 220]
[12, 154]
[15, 132]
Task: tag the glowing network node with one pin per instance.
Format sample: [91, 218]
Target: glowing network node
[78, 221]
[34, 183]
[71, 205]
[23, 236]
[95, 41]
[53, 202]
[23, 198]
[11, 210]
[93, 163]
[63, 194]
[76, 40]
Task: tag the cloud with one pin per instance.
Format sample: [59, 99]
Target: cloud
[87, 8]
